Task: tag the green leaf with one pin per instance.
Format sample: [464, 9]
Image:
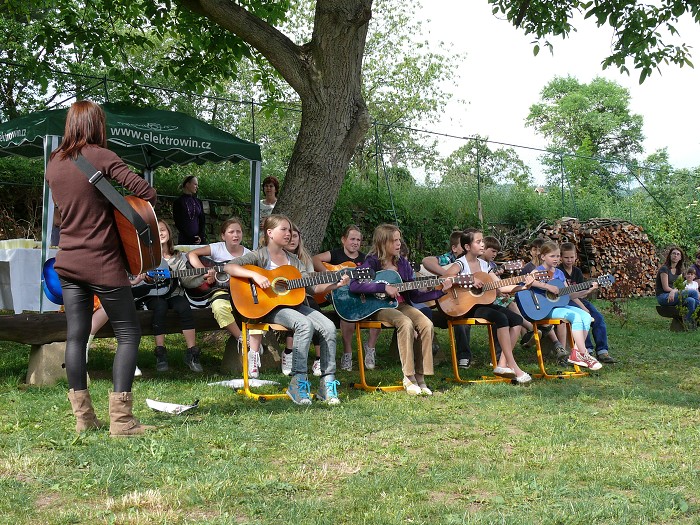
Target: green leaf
[536, 50]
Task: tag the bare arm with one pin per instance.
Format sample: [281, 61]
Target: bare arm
[193, 256]
[319, 259]
[432, 265]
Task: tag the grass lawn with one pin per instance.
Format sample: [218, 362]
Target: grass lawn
[620, 446]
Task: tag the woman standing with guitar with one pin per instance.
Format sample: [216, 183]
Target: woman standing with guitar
[348, 255]
[90, 262]
[385, 255]
[507, 323]
[303, 320]
[174, 299]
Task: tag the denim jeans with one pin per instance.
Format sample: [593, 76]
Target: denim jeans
[304, 321]
[598, 329]
[690, 301]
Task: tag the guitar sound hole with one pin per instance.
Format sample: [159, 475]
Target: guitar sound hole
[280, 287]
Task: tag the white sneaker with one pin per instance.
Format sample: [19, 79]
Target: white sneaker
[316, 368]
[346, 362]
[370, 354]
[137, 372]
[253, 369]
[287, 363]
[463, 363]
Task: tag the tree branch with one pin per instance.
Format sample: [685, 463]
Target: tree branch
[283, 54]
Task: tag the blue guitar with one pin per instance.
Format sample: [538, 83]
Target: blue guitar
[535, 304]
[355, 307]
[50, 283]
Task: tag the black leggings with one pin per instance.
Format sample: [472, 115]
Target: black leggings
[160, 307]
[498, 315]
[119, 306]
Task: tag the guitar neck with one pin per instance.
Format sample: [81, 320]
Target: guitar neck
[425, 282]
[568, 290]
[189, 272]
[316, 279]
[503, 282]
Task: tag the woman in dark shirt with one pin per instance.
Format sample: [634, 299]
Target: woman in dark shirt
[90, 262]
[188, 214]
[666, 294]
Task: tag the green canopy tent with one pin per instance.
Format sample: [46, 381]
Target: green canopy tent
[145, 138]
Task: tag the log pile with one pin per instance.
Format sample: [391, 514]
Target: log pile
[608, 246]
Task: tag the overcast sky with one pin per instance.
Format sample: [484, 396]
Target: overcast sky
[500, 78]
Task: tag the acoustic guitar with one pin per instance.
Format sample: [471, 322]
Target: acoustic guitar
[355, 307]
[325, 298]
[458, 301]
[286, 288]
[162, 281]
[140, 257]
[536, 304]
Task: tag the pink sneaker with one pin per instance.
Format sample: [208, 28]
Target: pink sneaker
[576, 358]
[591, 362]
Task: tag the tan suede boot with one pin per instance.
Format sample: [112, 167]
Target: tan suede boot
[121, 420]
[84, 413]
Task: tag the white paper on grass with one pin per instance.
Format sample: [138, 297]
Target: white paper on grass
[170, 408]
[238, 383]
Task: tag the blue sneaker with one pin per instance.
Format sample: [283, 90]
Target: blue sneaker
[299, 389]
[328, 390]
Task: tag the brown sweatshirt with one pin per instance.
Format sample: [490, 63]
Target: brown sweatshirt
[90, 247]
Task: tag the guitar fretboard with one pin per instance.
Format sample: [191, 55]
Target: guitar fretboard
[321, 278]
[195, 271]
[510, 281]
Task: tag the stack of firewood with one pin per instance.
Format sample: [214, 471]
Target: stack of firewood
[610, 246]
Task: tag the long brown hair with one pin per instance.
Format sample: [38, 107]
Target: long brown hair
[679, 268]
[85, 124]
[170, 246]
[301, 251]
[383, 234]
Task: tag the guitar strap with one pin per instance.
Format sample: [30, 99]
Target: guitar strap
[98, 180]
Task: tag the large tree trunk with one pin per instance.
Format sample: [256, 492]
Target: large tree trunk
[327, 75]
[334, 117]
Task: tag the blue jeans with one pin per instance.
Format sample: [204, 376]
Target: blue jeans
[598, 329]
[690, 301]
[304, 321]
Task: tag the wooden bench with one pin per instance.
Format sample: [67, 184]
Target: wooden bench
[677, 324]
[46, 333]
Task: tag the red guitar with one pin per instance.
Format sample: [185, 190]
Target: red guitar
[205, 290]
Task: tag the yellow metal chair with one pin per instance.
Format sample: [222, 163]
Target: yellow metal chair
[245, 328]
[362, 385]
[558, 375]
[473, 321]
